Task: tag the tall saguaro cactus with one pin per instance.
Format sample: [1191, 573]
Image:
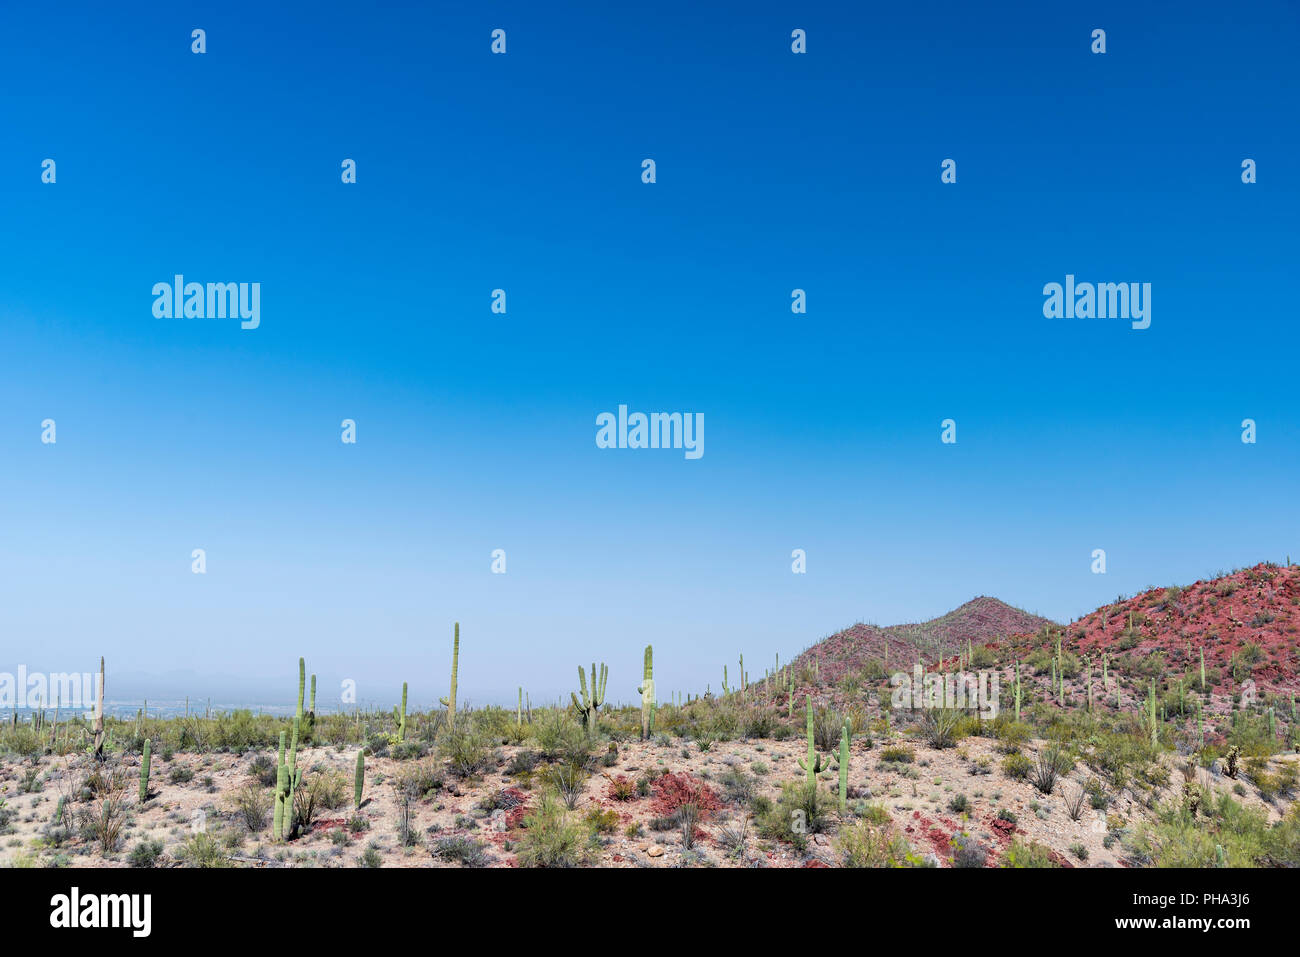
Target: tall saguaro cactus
[1017, 689]
[399, 716]
[359, 779]
[449, 702]
[98, 727]
[814, 765]
[647, 692]
[144, 772]
[1155, 728]
[590, 704]
[844, 769]
[311, 712]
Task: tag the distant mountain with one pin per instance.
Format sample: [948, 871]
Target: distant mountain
[980, 621]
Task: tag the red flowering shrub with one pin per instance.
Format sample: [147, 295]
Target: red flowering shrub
[671, 791]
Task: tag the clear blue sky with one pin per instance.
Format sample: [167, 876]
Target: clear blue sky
[476, 431]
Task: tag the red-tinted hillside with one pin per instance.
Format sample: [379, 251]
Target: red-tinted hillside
[1247, 624]
[979, 621]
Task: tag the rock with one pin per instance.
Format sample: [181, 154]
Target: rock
[655, 850]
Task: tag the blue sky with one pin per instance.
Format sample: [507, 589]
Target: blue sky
[476, 431]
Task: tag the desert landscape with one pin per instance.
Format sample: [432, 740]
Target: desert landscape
[1158, 731]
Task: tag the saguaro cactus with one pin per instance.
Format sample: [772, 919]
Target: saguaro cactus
[359, 778]
[449, 702]
[814, 765]
[399, 716]
[590, 704]
[647, 692]
[1155, 728]
[144, 772]
[844, 769]
[98, 727]
[281, 786]
[1017, 689]
[311, 711]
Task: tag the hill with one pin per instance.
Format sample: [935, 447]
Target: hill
[980, 621]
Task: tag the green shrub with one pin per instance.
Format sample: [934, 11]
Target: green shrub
[551, 839]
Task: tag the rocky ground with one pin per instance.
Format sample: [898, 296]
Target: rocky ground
[922, 799]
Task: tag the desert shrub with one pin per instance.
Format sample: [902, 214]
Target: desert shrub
[1227, 835]
[1017, 766]
[872, 813]
[1011, 736]
[688, 818]
[898, 753]
[940, 727]
[568, 781]
[759, 723]
[146, 854]
[734, 837]
[522, 763]
[551, 839]
[827, 723]
[557, 734]
[738, 786]
[1050, 764]
[1027, 854]
[1074, 804]
[621, 788]
[408, 750]
[203, 850]
[252, 803]
[465, 750]
[602, 820]
[105, 822]
[418, 780]
[801, 809]
[263, 770]
[967, 852]
[671, 791]
[180, 774]
[461, 849]
[959, 804]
